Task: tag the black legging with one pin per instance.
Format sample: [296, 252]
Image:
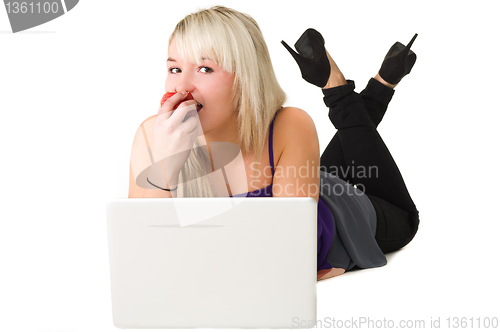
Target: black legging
[357, 154]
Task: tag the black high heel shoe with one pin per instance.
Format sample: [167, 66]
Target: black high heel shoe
[398, 62]
[311, 57]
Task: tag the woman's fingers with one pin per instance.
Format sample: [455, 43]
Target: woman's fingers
[179, 115]
[192, 122]
[169, 104]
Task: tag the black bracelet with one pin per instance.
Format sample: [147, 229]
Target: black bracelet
[162, 188]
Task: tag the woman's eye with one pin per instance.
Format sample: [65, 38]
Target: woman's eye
[174, 70]
[206, 70]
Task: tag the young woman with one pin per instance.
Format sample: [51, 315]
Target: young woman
[219, 57]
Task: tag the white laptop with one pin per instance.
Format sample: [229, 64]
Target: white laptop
[213, 262]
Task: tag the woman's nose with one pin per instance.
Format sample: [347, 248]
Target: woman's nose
[185, 83]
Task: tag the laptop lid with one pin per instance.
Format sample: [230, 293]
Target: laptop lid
[212, 262]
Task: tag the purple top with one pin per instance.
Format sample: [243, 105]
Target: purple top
[325, 219]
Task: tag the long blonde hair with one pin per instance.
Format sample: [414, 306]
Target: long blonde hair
[234, 41]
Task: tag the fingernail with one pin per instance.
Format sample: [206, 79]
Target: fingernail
[184, 93]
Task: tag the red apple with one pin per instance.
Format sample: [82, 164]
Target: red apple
[170, 94]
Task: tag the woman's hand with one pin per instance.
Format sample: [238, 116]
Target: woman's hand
[175, 132]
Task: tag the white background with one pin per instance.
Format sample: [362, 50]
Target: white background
[74, 90]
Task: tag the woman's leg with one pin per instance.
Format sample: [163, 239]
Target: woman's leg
[358, 149]
[371, 166]
[357, 144]
[365, 153]
[376, 97]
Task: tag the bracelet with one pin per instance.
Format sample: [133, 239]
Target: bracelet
[162, 188]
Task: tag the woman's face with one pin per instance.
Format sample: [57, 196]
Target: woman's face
[209, 84]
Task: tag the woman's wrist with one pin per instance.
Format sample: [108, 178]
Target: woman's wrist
[173, 180]
[160, 177]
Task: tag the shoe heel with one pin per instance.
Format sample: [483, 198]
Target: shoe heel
[411, 41]
[301, 61]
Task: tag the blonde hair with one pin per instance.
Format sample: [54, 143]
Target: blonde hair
[234, 41]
